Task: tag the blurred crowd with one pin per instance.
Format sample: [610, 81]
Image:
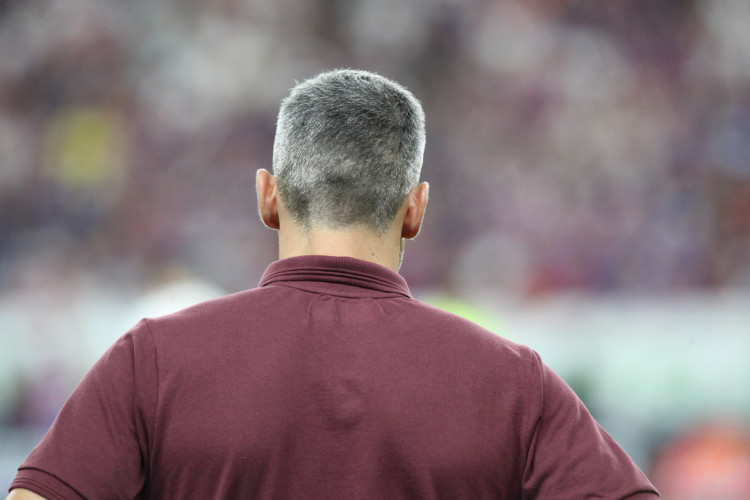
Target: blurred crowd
[572, 144]
[594, 145]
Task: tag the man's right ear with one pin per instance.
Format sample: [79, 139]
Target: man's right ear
[416, 205]
[268, 196]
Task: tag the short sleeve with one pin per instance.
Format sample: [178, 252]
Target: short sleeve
[98, 446]
[570, 456]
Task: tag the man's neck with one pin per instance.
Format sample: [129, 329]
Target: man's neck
[359, 243]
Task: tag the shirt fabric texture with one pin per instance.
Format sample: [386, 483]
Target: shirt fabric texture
[326, 381]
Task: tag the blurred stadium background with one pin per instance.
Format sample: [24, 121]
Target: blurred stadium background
[589, 165]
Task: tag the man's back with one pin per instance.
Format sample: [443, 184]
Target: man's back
[327, 381]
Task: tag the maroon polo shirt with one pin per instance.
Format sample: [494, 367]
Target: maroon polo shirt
[327, 381]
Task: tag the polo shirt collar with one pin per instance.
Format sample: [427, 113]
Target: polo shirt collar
[345, 276]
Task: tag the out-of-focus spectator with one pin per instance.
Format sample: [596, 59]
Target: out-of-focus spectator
[711, 461]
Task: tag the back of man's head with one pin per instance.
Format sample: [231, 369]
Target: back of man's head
[348, 148]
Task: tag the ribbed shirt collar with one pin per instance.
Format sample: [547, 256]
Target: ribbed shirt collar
[345, 276]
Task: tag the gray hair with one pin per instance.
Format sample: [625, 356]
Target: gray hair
[348, 149]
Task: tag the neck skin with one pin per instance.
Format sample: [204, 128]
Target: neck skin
[359, 242]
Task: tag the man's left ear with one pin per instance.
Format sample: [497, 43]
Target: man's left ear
[268, 208]
[417, 203]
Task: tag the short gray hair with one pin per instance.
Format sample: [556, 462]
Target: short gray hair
[348, 149]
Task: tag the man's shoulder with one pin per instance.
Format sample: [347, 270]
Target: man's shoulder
[224, 310]
[456, 329]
